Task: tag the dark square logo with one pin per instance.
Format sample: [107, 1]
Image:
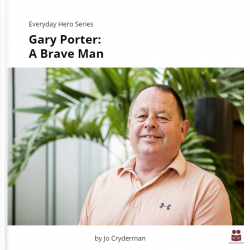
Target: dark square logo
[236, 236]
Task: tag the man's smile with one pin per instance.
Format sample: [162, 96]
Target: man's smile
[151, 136]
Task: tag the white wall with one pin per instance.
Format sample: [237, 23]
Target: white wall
[53, 187]
[10, 135]
[30, 188]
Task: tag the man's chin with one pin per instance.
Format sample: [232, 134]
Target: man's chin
[149, 153]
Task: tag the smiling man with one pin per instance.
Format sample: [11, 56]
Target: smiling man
[157, 186]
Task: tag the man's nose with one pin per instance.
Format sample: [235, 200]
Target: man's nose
[150, 123]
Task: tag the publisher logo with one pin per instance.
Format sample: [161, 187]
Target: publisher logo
[236, 235]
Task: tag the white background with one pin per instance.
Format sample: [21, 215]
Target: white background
[194, 33]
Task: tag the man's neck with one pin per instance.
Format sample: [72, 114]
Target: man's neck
[147, 168]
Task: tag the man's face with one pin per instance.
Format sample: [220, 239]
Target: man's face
[156, 128]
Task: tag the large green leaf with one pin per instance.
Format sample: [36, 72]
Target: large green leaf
[37, 110]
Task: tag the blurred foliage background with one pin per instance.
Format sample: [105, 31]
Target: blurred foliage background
[111, 95]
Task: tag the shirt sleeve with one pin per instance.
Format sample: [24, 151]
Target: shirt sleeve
[214, 209]
[84, 213]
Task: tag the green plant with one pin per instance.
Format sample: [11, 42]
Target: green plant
[113, 91]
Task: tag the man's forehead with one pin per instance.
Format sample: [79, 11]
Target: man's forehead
[153, 96]
[145, 105]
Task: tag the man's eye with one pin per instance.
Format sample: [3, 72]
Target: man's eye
[162, 118]
[141, 116]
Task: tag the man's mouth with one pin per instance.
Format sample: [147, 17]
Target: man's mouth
[150, 136]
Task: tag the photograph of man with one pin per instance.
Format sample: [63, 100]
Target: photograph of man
[157, 186]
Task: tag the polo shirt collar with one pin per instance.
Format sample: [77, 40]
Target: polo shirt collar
[129, 165]
[178, 164]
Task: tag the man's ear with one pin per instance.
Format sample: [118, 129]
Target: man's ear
[129, 122]
[184, 129]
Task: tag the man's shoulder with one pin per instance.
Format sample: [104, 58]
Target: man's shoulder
[106, 179]
[108, 174]
[200, 175]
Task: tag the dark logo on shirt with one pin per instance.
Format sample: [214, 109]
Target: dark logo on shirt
[167, 207]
